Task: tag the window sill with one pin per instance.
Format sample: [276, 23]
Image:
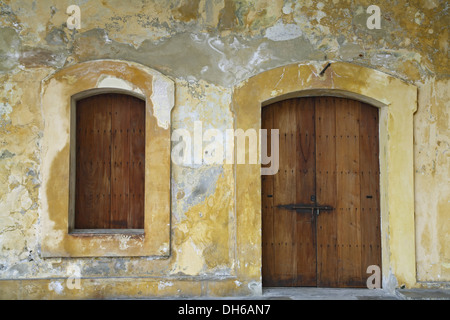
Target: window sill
[105, 232]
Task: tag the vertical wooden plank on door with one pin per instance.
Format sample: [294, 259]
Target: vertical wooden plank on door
[120, 160]
[102, 154]
[84, 200]
[267, 193]
[327, 252]
[348, 193]
[137, 164]
[304, 171]
[92, 192]
[370, 195]
[285, 193]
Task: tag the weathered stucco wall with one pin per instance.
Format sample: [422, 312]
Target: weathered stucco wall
[207, 47]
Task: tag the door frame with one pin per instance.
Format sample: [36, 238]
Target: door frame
[397, 103]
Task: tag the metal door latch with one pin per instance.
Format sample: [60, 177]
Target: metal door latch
[305, 208]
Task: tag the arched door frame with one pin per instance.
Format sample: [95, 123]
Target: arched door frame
[397, 102]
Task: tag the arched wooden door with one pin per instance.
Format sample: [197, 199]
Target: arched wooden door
[320, 212]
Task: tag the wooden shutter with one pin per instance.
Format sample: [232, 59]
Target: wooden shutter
[110, 162]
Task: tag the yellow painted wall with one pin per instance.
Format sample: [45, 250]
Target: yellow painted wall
[207, 48]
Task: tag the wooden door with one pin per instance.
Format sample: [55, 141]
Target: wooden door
[328, 156]
[110, 153]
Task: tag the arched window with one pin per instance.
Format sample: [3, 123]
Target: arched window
[106, 161]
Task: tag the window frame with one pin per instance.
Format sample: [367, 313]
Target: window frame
[59, 94]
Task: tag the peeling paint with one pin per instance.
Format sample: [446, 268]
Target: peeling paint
[163, 284]
[106, 81]
[162, 99]
[5, 110]
[56, 286]
[283, 32]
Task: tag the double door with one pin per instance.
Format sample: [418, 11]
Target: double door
[320, 212]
